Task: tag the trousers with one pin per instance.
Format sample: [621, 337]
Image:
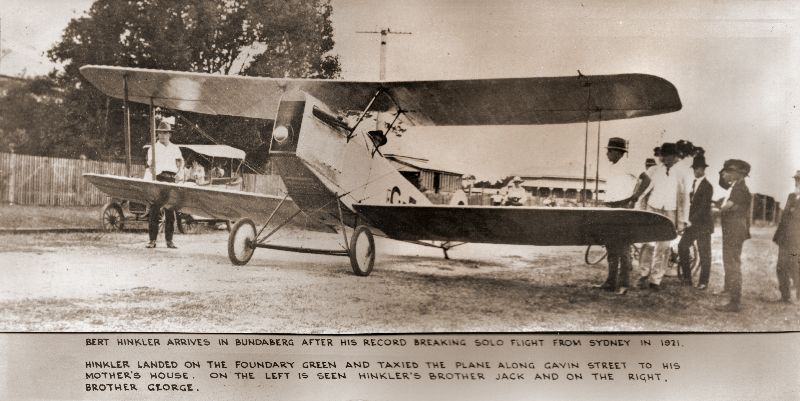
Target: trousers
[169, 215]
[690, 235]
[732, 262]
[619, 265]
[654, 259]
[788, 270]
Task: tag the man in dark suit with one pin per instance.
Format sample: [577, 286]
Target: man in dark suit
[701, 225]
[787, 236]
[735, 212]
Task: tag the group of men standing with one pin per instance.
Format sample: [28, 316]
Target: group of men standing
[678, 189]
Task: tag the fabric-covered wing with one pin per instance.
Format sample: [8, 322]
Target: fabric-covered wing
[503, 101]
[518, 225]
[199, 200]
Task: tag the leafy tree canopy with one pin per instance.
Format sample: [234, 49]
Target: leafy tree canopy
[283, 38]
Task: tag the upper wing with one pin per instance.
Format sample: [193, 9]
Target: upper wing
[505, 101]
[518, 225]
[204, 201]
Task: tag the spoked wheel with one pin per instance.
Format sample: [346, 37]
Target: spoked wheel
[187, 224]
[694, 260]
[112, 218]
[362, 251]
[241, 242]
[595, 254]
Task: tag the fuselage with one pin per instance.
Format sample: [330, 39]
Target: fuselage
[326, 172]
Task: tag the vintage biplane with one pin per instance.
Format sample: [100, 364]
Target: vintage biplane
[336, 175]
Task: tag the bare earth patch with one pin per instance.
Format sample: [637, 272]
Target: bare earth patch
[110, 282]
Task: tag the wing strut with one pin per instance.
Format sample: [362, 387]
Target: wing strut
[364, 114]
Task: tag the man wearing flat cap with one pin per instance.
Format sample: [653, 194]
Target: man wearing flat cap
[668, 197]
[701, 225]
[167, 155]
[787, 236]
[735, 211]
[624, 185]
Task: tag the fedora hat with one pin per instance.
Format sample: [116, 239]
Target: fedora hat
[164, 126]
[669, 148]
[618, 144]
[739, 166]
[699, 161]
[649, 162]
[797, 174]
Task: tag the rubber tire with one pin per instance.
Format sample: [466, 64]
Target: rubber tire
[187, 224]
[246, 228]
[358, 269]
[589, 261]
[111, 217]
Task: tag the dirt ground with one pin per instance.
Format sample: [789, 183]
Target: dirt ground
[110, 282]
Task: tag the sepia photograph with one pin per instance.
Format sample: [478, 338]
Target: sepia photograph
[356, 167]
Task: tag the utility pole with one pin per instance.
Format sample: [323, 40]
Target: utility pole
[384, 35]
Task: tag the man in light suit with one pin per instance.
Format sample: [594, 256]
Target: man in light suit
[667, 196]
[700, 227]
[787, 236]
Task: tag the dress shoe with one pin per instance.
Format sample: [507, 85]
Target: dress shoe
[151, 244]
[729, 307]
[621, 291]
[655, 287]
[605, 286]
[723, 292]
[701, 287]
[171, 245]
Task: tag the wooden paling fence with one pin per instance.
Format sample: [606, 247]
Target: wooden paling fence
[51, 181]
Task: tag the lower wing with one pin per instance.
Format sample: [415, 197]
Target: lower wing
[518, 225]
[204, 201]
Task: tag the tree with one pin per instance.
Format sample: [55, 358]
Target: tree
[283, 37]
[33, 120]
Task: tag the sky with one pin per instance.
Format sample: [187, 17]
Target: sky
[735, 65]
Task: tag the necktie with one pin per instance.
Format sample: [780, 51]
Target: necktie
[694, 186]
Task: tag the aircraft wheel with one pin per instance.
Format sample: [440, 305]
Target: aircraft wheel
[362, 251]
[112, 218]
[594, 254]
[241, 242]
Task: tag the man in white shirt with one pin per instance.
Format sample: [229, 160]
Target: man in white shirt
[516, 195]
[668, 196]
[167, 157]
[624, 184]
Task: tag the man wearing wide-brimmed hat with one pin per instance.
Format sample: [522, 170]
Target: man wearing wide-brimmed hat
[735, 216]
[668, 197]
[787, 236]
[625, 182]
[701, 225]
[516, 194]
[167, 155]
